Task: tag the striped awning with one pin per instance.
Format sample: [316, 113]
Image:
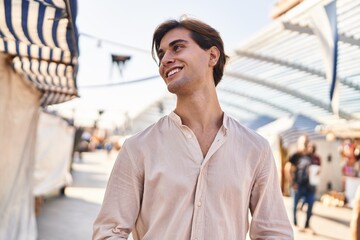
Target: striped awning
[42, 41]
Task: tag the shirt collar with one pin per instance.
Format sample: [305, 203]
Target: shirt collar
[176, 118]
[225, 123]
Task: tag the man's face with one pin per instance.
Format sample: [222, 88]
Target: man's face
[183, 64]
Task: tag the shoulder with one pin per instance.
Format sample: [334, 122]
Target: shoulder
[253, 148]
[148, 132]
[294, 158]
[152, 134]
[249, 137]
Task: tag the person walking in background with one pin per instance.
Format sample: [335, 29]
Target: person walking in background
[196, 172]
[301, 162]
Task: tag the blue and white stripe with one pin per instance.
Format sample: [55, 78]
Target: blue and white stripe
[43, 42]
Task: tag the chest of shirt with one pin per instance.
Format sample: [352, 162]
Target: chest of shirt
[227, 172]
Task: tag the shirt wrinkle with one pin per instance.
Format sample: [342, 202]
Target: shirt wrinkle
[262, 166]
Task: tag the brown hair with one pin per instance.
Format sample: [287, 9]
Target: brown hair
[203, 34]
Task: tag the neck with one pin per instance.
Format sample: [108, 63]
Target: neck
[200, 111]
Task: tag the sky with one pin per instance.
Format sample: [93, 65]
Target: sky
[126, 28]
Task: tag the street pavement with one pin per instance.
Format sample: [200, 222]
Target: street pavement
[71, 216]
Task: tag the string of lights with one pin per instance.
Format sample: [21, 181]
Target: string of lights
[121, 83]
[102, 40]
[116, 58]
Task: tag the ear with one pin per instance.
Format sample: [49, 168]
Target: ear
[214, 56]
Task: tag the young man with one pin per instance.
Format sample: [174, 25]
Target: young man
[196, 172]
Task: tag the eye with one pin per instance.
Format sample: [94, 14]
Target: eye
[160, 56]
[177, 47]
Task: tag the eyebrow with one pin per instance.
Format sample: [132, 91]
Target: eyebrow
[177, 41]
[172, 44]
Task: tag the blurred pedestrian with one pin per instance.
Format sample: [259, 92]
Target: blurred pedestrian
[196, 172]
[302, 189]
[108, 147]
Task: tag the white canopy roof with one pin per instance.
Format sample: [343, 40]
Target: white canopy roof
[281, 71]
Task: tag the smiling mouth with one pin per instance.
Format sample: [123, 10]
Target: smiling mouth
[173, 71]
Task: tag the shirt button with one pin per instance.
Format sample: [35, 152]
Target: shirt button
[199, 204]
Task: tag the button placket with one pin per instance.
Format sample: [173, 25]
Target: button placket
[218, 142]
[198, 220]
[192, 143]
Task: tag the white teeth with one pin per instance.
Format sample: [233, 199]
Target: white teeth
[172, 72]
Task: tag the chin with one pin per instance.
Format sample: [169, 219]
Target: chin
[179, 86]
[171, 88]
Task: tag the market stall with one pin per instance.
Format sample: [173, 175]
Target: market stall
[38, 66]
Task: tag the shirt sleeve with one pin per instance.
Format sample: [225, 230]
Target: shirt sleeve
[269, 216]
[122, 199]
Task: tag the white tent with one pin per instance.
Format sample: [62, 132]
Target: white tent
[30, 163]
[52, 161]
[19, 112]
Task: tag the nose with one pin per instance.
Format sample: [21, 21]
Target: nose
[167, 59]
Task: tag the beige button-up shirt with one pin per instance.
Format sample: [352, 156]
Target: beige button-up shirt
[161, 187]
